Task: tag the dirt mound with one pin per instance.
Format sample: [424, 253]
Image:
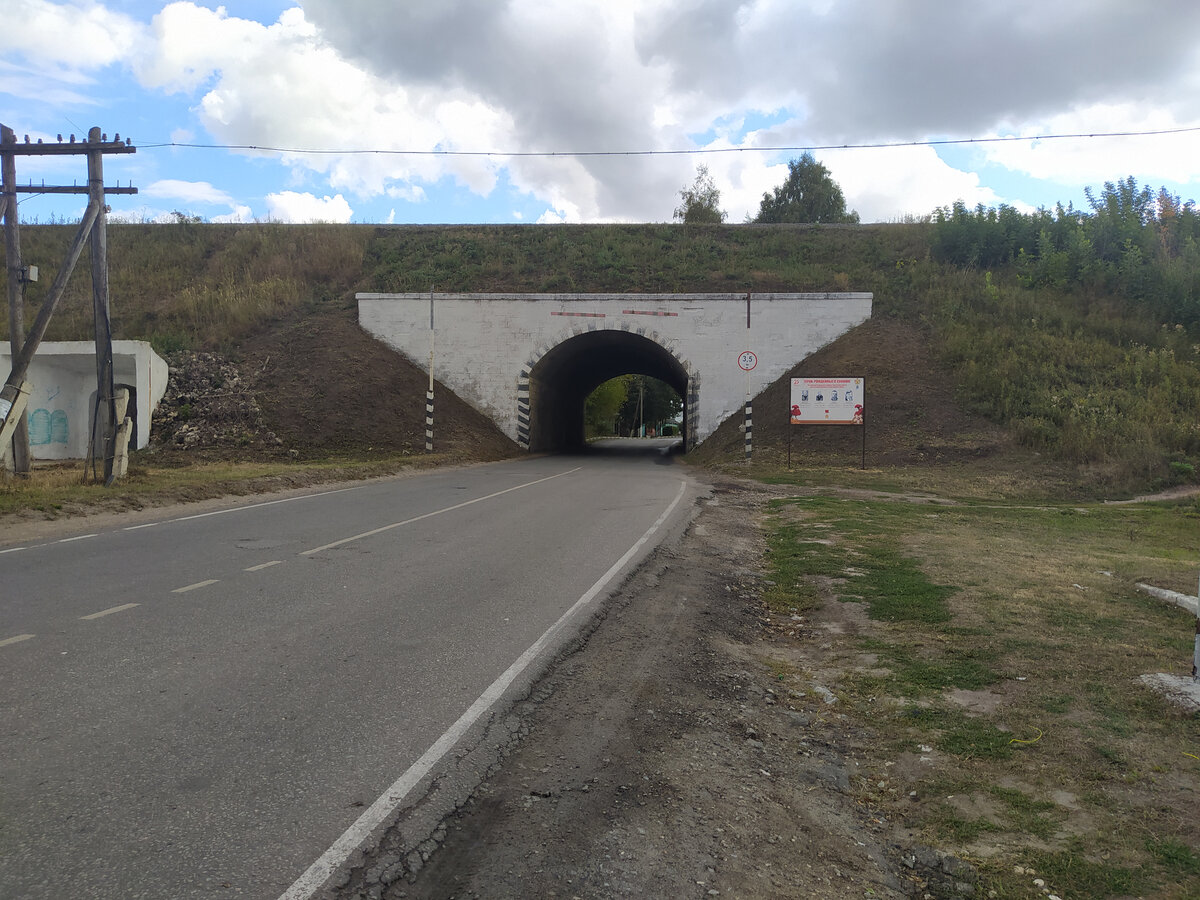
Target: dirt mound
[313, 384]
[912, 415]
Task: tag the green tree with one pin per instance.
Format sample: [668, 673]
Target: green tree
[603, 404]
[808, 195]
[1120, 213]
[701, 202]
[650, 401]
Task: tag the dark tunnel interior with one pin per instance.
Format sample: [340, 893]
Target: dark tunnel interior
[561, 381]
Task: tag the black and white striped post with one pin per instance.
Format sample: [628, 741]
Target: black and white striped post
[523, 409]
[429, 392]
[747, 361]
[749, 429]
[429, 421]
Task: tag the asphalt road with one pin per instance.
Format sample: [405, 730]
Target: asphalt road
[204, 706]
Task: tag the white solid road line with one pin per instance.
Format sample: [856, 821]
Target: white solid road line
[109, 612]
[192, 587]
[78, 537]
[436, 512]
[266, 565]
[16, 639]
[319, 872]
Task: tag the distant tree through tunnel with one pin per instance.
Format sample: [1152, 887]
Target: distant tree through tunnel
[560, 382]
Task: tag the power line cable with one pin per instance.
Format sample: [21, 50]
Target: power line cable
[695, 151]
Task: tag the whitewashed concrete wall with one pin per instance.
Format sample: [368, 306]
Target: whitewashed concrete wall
[482, 341]
[63, 377]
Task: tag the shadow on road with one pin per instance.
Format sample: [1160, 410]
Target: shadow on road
[662, 450]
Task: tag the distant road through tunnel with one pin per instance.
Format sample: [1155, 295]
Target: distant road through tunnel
[551, 392]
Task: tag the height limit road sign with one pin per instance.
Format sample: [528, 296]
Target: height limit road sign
[747, 361]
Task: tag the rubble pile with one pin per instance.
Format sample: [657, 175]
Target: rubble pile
[209, 405]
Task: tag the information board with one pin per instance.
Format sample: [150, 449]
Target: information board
[827, 401]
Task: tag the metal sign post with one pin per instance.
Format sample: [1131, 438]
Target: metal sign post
[746, 362]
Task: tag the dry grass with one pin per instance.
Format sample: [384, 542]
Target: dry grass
[1043, 749]
[68, 489]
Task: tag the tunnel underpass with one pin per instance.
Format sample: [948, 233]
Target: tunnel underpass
[528, 361]
[551, 392]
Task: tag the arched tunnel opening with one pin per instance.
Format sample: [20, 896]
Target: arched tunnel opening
[560, 382]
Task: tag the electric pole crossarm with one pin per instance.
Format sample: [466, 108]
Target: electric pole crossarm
[76, 148]
[67, 189]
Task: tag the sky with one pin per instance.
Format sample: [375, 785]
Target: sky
[575, 111]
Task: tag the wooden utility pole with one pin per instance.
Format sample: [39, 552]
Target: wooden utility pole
[16, 284]
[93, 226]
[106, 401]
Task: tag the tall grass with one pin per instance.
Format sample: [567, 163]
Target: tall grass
[1073, 377]
[1080, 373]
[194, 285]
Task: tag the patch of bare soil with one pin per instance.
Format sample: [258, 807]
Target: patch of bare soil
[664, 758]
[913, 417]
[309, 385]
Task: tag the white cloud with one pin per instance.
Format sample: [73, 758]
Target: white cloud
[1171, 158]
[239, 214]
[282, 86]
[516, 77]
[188, 192]
[885, 185]
[606, 75]
[289, 206]
[69, 36]
[190, 44]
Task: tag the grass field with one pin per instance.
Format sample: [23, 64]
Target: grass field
[993, 650]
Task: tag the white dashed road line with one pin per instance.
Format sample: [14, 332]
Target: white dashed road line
[192, 587]
[109, 612]
[266, 565]
[16, 639]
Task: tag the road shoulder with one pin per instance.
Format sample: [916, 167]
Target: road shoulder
[658, 759]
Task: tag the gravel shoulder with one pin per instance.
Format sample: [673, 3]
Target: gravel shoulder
[659, 758]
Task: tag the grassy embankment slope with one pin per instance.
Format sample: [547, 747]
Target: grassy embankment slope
[964, 364]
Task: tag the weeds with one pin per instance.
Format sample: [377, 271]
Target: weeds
[1017, 685]
[1078, 374]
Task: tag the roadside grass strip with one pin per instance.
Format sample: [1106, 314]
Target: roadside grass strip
[1003, 690]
